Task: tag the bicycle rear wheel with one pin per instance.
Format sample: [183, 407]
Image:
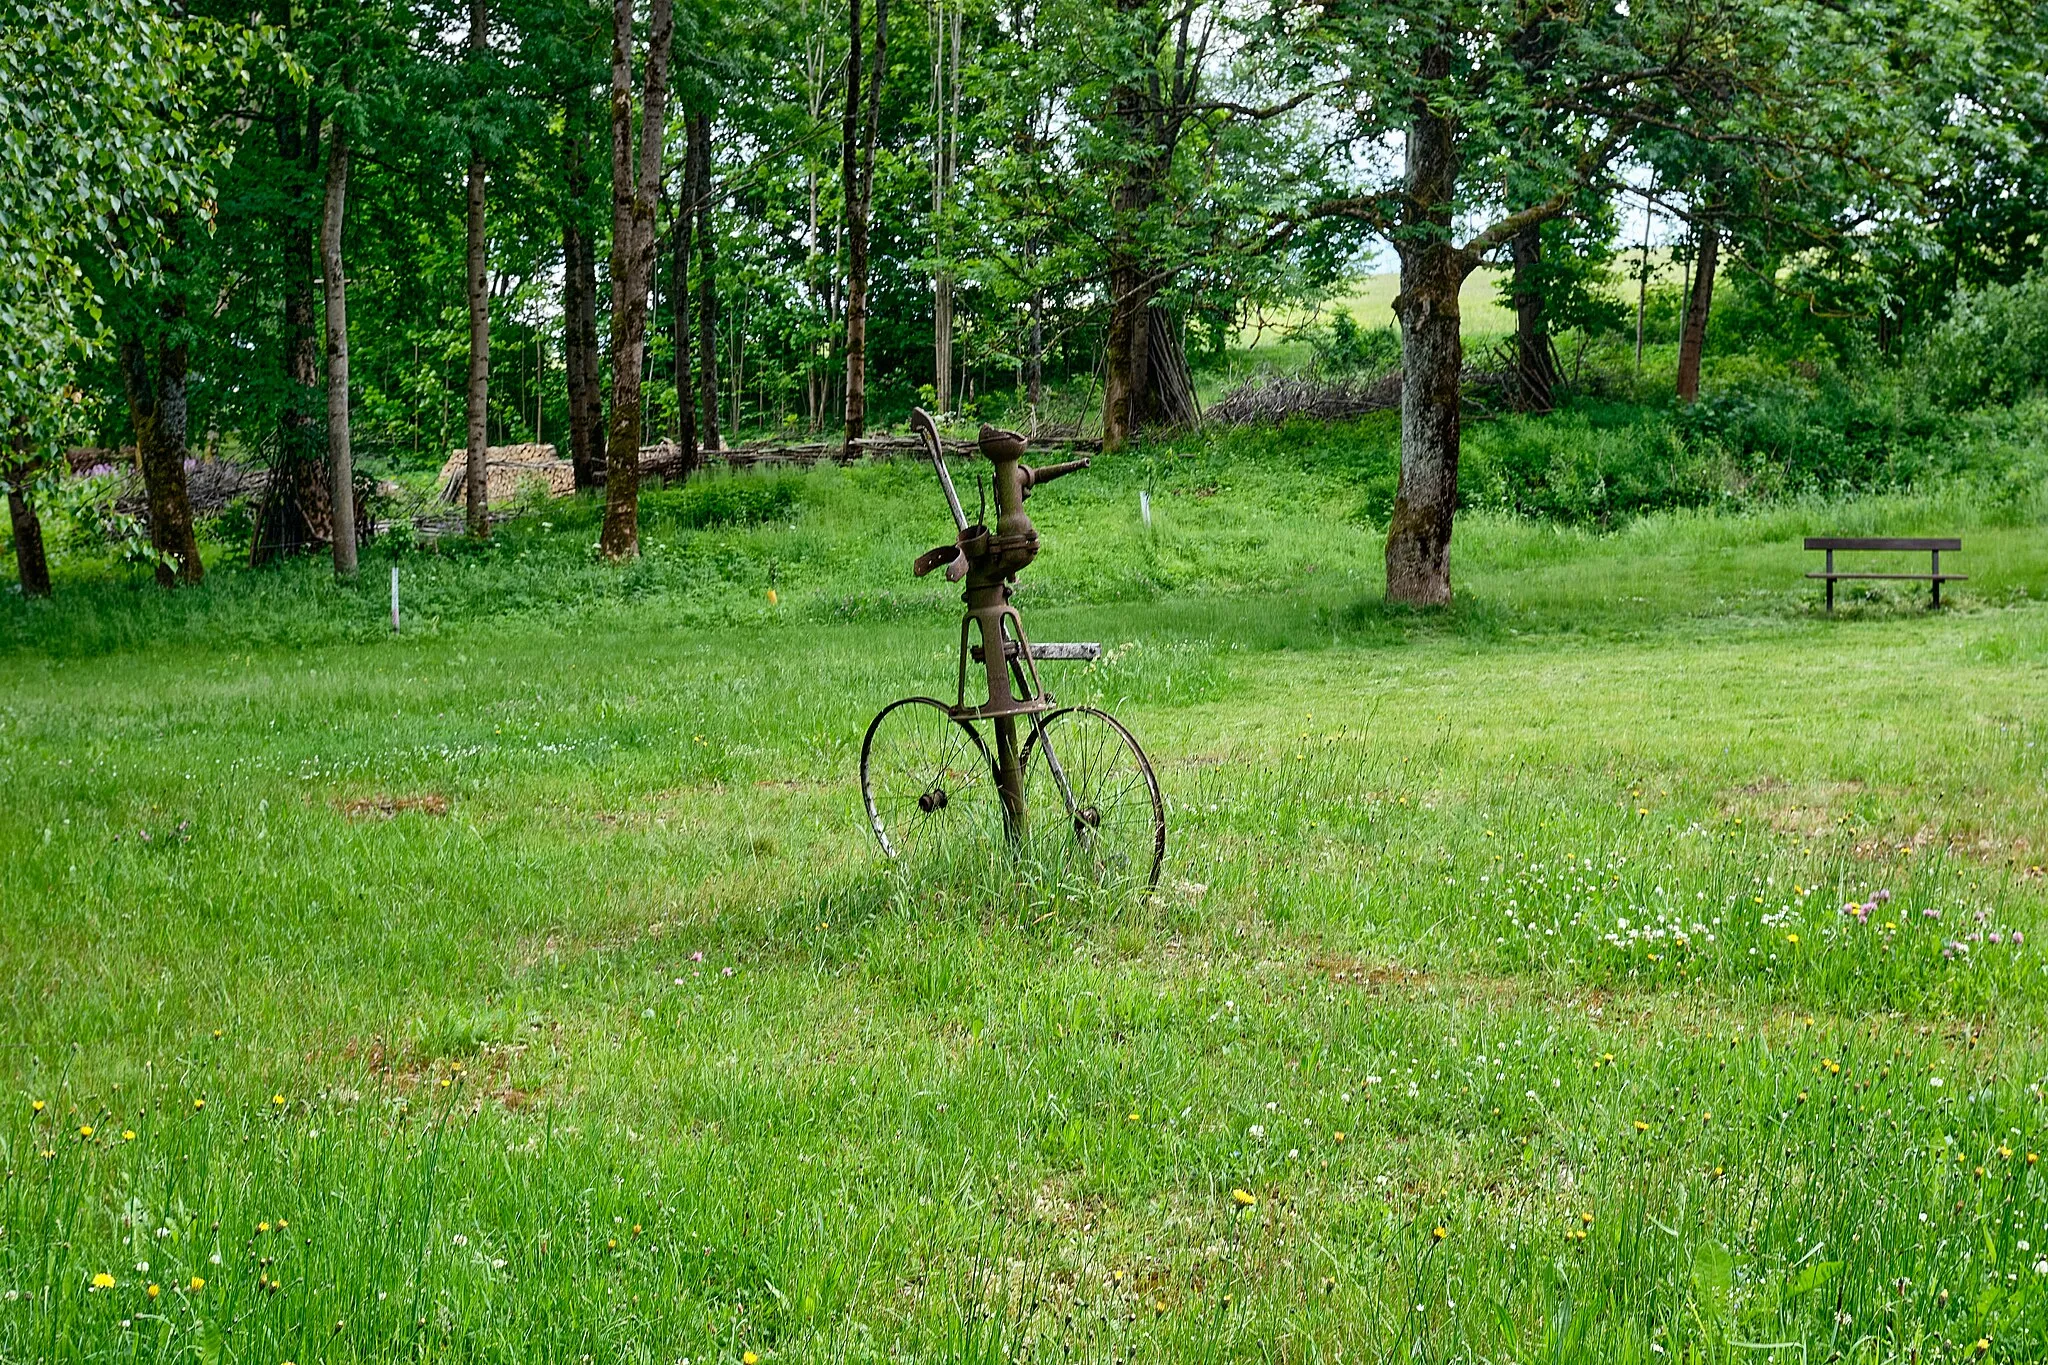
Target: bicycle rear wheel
[927, 781]
[1093, 802]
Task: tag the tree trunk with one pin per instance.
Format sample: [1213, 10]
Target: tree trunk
[1034, 357]
[29, 559]
[679, 293]
[1127, 375]
[340, 459]
[579, 301]
[1432, 355]
[295, 514]
[1127, 362]
[636, 189]
[1536, 374]
[1692, 340]
[707, 290]
[945, 155]
[857, 160]
[156, 404]
[476, 270]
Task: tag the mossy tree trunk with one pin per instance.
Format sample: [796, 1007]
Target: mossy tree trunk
[636, 188]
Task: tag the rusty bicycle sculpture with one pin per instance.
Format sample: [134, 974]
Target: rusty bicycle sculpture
[1078, 790]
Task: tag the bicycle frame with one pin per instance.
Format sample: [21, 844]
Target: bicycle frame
[992, 561]
[914, 760]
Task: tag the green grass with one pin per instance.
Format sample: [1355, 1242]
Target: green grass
[547, 1000]
[1369, 299]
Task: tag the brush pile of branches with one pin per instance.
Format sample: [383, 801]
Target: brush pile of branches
[1269, 399]
[210, 485]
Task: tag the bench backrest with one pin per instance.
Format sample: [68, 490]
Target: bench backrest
[1883, 543]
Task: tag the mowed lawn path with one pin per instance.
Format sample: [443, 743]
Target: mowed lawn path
[502, 996]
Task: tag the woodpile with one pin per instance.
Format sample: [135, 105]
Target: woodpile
[508, 471]
[85, 461]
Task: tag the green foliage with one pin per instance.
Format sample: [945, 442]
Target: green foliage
[1993, 347]
[1345, 348]
[103, 141]
[730, 502]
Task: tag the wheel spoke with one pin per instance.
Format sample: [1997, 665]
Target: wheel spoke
[913, 749]
[1115, 823]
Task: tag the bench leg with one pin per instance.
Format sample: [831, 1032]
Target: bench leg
[1831, 580]
[1937, 579]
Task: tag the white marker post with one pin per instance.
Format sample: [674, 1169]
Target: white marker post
[394, 599]
[1145, 507]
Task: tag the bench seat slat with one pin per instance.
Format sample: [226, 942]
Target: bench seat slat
[1921, 543]
[1917, 577]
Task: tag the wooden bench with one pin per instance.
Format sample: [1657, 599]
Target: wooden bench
[1931, 545]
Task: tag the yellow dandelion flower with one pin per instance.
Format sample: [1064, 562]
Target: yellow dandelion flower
[282, 1225]
[749, 1358]
[1983, 1345]
[1802, 1097]
[196, 1285]
[1642, 1127]
[2005, 1153]
[199, 1104]
[1243, 1198]
[127, 1135]
[1340, 1136]
[1792, 939]
[1587, 1219]
[103, 1281]
[85, 1130]
[263, 1227]
[1131, 1117]
[152, 1291]
[2033, 1158]
[1439, 1232]
[35, 1106]
[277, 1099]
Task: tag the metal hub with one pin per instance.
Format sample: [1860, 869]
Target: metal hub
[935, 799]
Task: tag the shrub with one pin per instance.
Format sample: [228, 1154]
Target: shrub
[1344, 347]
[1993, 347]
[738, 501]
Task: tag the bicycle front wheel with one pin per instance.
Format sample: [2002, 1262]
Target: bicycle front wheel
[927, 780]
[1093, 802]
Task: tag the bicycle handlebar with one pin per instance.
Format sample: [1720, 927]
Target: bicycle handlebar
[1027, 478]
[921, 423]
